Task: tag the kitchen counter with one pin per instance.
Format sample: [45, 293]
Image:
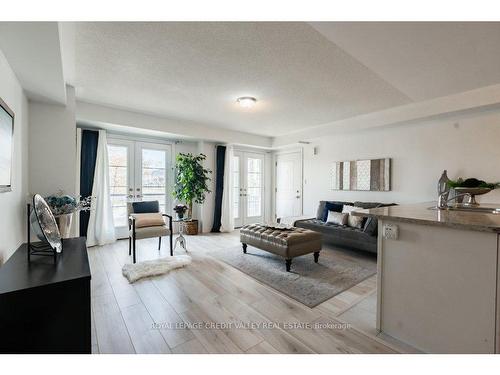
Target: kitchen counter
[438, 288]
[421, 214]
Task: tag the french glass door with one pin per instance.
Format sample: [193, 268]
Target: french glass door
[121, 182]
[248, 188]
[138, 171]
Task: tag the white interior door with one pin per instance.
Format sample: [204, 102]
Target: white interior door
[248, 188]
[289, 184]
[139, 171]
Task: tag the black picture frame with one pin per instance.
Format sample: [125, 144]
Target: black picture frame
[6, 146]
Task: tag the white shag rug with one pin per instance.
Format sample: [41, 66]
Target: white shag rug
[155, 267]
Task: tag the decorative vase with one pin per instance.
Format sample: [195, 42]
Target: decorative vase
[64, 224]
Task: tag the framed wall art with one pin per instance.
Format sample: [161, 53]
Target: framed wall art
[364, 175]
[6, 146]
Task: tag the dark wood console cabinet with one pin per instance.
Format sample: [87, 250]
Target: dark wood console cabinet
[45, 307]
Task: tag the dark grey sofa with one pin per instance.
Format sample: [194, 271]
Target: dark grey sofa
[364, 239]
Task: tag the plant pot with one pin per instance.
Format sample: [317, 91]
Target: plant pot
[64, 223]
[191, 227]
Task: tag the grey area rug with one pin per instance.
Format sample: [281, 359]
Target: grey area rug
[308, 282]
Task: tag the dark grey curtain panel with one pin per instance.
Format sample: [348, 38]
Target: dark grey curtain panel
[219, 186]
[87, 167]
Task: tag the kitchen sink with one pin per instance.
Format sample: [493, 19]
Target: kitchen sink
[478, 209]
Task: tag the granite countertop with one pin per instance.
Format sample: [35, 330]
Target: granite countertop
[421, 214]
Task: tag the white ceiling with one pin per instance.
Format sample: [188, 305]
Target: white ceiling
[423, 60]
[34, 53]
[303, 74]
[196, 71]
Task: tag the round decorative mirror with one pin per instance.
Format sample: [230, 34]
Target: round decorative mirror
[44, 223]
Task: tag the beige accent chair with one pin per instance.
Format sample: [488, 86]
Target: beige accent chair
[147, 232]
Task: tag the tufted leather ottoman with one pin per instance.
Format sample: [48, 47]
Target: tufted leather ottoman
[288, 243]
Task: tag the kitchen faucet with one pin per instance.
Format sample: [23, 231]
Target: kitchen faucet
[443, 199]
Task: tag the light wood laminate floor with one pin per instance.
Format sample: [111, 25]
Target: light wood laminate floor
[211, 307]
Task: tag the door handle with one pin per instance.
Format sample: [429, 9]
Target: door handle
[130, 196]
[298, 197]
[138, 196]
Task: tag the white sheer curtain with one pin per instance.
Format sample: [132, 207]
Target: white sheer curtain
[101, 230]
[227, 218]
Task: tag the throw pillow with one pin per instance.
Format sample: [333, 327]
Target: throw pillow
[371, 223]
[331, 206]
[371, 226]
[353, 221]
[146, 207]
[337, 218]
[148, 220]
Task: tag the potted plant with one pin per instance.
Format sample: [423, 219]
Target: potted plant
[191, 184]
[63, 207]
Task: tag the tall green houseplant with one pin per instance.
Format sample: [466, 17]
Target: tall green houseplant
[191, 179]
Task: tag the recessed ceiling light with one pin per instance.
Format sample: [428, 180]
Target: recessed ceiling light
[246, 101]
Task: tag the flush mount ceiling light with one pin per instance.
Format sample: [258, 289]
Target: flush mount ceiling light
[246, 101]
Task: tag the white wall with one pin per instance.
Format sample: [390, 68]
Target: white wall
[52, 152]
[115, 117]
[467, 146]
[13, 203]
